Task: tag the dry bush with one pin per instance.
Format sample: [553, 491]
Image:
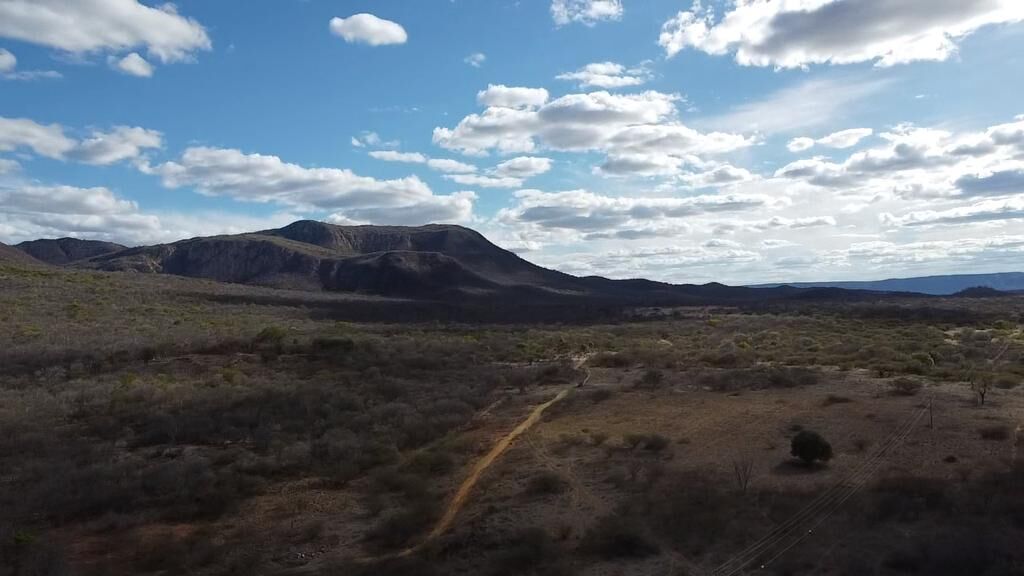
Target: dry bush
[905, 386]
[546, 483]
[997, 432]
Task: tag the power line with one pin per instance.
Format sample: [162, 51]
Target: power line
[838, 493]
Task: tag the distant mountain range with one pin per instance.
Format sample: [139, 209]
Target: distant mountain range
[434, 262]
[934, 285]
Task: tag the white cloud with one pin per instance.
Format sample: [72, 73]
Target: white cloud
[797, 33]
[984, 211]
[501, 96]
[475, 59]
[264, 178]
[450, 166]
[367, 138]
[800, 144]
[38, 211]
[845, 138]
[134, 65]
[623, 216]
[439, 164]
[607, 75]
[115, 26]
[7, 61]
[841, 139]
[120, 143]
[45, 140]
[587, 12]
[485, 181]
[523, 167]
[395, 156]
[368, 29]
[631, 128]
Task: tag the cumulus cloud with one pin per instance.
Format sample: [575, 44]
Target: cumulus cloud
[587, 12]
[523, 167]
[485, 181]
[114, 26]
[264, 178]
[799, 33]
[133, 65]
[120, 143]
[438, 164]
[46, 140]
[607, 75]
[475, 59]
[984, 211]
[501, 96]
[587, 212]
[368, 29]
[634, 130]
[923, 162]
[71, 211]
[841, 139]
[7, 61]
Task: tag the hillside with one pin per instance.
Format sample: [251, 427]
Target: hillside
[11, 255]
[62, 251]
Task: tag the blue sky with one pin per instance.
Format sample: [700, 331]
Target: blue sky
[732, 141]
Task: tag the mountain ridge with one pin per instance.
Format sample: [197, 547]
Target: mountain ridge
[935, 285]
[61, 251]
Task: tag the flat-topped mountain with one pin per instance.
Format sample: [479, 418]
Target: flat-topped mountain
[62, 251]
[390, 260]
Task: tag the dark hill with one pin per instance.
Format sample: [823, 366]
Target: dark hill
[67, 250]
[11, 255]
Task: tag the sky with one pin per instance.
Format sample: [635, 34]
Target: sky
[738, 141]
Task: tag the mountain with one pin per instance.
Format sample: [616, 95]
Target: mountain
[62, 251]
[11, 255]
[433, 260]
[934, 285]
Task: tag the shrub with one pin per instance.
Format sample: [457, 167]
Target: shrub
[527, 550]
[905, 387]
[811, 447]
[995, 432]
[651, 380]
[835, 399]
[617, 536]
[546, 483]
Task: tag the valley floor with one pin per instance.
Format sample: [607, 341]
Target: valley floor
[171, 426]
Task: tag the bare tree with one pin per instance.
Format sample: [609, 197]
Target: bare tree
[980, 385]
[744, 471]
